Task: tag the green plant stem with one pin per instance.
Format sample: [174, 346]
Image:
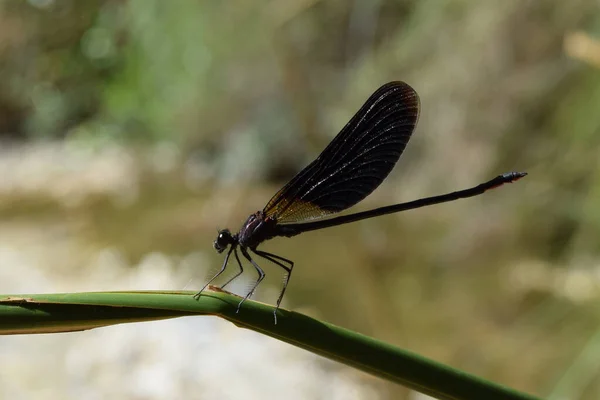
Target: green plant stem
[45, 313]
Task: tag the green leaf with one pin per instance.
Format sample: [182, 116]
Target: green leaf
[67, 312]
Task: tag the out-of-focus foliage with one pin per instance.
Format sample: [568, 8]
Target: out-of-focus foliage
[131, 129]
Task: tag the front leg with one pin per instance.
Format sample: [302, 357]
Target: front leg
[197, 295]
[235, 253]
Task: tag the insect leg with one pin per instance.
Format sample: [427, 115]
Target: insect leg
[197, 295]
[273, 258]
[236, 275]
[261, 276]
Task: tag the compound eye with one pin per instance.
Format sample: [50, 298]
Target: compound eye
[223, 240]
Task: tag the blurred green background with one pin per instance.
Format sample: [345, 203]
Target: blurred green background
[130, 130]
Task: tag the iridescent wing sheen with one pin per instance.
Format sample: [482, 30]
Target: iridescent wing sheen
[356, 161]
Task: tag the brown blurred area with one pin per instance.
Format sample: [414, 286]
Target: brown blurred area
[137, 128]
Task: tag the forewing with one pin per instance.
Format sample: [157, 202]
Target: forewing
[356, 161]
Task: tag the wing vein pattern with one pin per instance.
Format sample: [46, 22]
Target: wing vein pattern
[356, 161]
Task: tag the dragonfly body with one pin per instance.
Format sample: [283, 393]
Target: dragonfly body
[256, 230]
[354, 164]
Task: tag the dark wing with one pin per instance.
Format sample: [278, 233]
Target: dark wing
[356, 161]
